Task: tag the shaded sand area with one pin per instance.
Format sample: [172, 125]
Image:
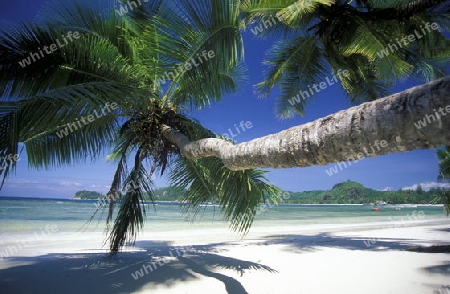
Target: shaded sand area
[283, 260]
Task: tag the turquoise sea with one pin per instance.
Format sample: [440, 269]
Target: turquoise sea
[26, 215]
[46, 240]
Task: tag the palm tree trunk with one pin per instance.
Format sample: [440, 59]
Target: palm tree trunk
[384, 126]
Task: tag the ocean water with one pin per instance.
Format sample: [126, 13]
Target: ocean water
[28, 215]
[31, 226]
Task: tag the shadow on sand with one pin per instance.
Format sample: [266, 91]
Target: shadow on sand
[101, 274]
[309, 243]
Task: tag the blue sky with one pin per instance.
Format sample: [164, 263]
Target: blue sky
[395, 170]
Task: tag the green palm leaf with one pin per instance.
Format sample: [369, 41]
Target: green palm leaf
[9, 139]
[444, 162]
[444, 174]
[121, 59]
[293, 65]
[130, 218]
[238, 192]
[365, 42]
[348, 36]
[301, 12]
[188, 30]
[85, 143]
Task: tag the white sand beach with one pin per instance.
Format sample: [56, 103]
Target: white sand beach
[283, 260]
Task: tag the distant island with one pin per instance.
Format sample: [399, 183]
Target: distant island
[348, 192]
[162, 194]
[87, 195]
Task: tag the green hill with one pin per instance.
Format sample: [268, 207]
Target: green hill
[162, 194]
[168, 194]
[88, 195]
[348, 192]
[354, 193]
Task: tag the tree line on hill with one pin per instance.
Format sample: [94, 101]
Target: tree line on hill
[348, 192]
[354, 193]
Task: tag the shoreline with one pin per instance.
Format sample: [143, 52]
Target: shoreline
[298, 249]
[280, 259]
[406, 205]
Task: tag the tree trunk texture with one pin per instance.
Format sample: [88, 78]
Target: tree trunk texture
[386, 125]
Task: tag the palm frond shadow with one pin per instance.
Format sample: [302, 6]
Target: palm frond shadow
[444, 230]
[310, 243]
[219, 261]
[103, 274]
[205, 256]
[442, 269]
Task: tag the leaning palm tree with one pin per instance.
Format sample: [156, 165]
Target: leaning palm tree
[140, 62]
[444, 175]
[376, 42]
[444, 162]
[140, 70]
[406, 121]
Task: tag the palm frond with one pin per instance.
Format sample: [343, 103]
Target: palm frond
[349, 36]
[295, 66]
[191, 35]
[56, 150]
[89, 59]
[446, 202]
[301, 12]
[16, 77]
[362, 82]
[276, 17]
[444, 174]
[66, 118]
[237, 192]
[141, 14]
[430, 54]
[9, 140]
[365, 42]
[444, 162]
[94, 18]
[107, 50]
[130, 218]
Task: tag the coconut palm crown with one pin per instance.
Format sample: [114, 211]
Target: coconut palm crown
[376, 42]
[143, 68]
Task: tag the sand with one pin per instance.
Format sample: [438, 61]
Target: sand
[354, 259]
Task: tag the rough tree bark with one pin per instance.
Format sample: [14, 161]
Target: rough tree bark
[348, 134]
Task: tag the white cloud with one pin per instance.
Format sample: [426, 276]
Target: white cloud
[66, 183]
[428, 185]
[102, 187]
